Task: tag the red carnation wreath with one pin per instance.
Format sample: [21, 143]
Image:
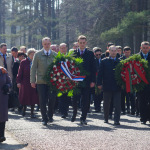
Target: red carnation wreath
[64, 73]
[134, 72]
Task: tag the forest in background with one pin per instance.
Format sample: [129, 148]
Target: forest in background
[123, 22]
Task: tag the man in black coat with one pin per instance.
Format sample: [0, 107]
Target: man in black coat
[119, 51]
[106, 54]
[89, 82]
[15, 67]
[97, 96]
[106, 79]
[130, 97]
[144, 96]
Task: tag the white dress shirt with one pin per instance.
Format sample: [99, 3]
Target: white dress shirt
[49, 52]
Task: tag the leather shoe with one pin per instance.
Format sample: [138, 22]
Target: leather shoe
[63, 116]
[143, 122]
[105, 121]
[73, 119]
[23, 113]
[44, 123]
[33, 116]
[132, 113]
[116, 123]
[51, 120]
[2, 139]
[83, 122]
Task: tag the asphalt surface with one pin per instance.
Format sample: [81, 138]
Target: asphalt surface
[63, 134]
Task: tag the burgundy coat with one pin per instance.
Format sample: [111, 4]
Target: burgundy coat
[27, 94]
[4, 79]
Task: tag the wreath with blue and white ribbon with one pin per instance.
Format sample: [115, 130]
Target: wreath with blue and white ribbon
[65, 73]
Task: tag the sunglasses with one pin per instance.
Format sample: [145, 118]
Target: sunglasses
[98, 54]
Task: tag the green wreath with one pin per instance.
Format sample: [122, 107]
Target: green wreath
[64, 73]
[133, 73]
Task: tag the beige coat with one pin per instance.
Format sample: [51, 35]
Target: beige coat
[9, 61]
[40, 65]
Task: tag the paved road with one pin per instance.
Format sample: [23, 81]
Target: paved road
[65, 135]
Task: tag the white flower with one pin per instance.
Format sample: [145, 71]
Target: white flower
[64, 77]
[58, 74]
[54, 66]
[66, 60]
[54, 79]
[71, 61]
[59, 80]
[60, 87]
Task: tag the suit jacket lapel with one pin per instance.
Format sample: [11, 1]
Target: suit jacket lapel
[78, 53]
[141, 55]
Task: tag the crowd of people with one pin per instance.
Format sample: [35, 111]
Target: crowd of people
[23, 71]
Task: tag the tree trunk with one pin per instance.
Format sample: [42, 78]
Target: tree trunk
[13, 27]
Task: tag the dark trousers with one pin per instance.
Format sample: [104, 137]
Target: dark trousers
[85, 101]
[123, 95]
[116, 103]
[111, 109]
[46, 97]
[2, 129]
[97, 101]
[144, 104]
[64, 104]
[137, 108]
[130, 101]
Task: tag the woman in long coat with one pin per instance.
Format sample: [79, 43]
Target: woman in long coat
[27, 94]
[5, 83]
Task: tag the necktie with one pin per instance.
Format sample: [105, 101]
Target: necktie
[47, 53]
[145, 56]
[5, 65]
[81, 53]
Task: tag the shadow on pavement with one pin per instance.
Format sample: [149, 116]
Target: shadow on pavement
[79, 128]
[129, 121]
[5, 146]
[132, 127]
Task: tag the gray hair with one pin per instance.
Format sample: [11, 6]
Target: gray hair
[112, 47]
[62, 44]
[30, 50]
[46, 38]
[145, 43]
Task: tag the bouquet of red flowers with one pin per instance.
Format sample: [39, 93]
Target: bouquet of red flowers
[64, 73]
[133, 73]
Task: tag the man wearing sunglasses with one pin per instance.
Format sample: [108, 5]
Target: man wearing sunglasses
[98, 96]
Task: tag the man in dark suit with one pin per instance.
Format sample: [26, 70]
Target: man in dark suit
[98, 96]
[106, 54]
[64, 99]
[106, 78]
[14, 52]
[89, 82]
[130, 97]
[119, 51]
[144, 96]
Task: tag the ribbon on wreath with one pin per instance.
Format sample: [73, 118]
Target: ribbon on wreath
[132, 66]
[65, 69]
